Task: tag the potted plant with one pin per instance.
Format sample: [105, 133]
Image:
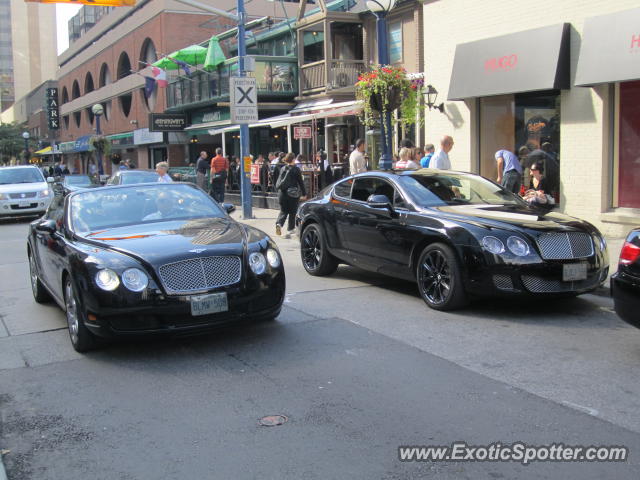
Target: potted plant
[386, 88]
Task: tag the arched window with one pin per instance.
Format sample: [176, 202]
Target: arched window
[88, 84]
[124, 65]
[65, 95]
[75, 90]
[148, 55]
[125, 103]
[105, 76]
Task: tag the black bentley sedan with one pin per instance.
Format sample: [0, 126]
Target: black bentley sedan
[457, 234]
[625, 283]
[150, 258]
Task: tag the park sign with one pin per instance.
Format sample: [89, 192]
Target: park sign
[53, 114]
[93, 3]
[244, 100]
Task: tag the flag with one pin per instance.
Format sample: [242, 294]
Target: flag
[182, 65]
[160, 76]
[149, 86]
[215, 55]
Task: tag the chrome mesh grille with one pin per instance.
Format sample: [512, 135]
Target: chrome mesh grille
[199, 274]
[18, 196]
[503, 282]
[537, 284]
[565, 245]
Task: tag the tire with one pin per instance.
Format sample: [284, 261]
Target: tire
[439, 278]
[40, 294]
[81, 338]
[316, 259]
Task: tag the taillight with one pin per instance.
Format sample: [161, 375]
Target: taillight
[629, 253]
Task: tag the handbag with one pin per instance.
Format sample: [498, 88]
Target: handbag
[294, 192]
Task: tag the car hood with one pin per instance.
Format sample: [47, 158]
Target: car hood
[23, 187]
[168, 241]
[510, 216]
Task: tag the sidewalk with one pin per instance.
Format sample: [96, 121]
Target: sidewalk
[265, 219]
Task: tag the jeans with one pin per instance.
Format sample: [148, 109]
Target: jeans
[201, 180]
[217, 191]
[288, 208]
[511, 181]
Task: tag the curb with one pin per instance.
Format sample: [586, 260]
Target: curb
[3, 473]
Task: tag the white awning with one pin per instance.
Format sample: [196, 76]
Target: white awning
[200, 126]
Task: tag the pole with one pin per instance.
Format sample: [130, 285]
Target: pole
[98, 152]
[26, 151]
[385, 120]
[244, 128]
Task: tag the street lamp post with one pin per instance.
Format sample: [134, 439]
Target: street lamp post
[380, 8]
[26, 137]
[98, 110]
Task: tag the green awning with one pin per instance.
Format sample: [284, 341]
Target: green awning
[120, 135]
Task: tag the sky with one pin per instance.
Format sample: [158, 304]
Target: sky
[63, 14]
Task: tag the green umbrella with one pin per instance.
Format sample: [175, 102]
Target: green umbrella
[215, 55]
[192, 55]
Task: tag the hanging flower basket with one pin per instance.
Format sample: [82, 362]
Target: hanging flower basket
[385, 89]
[101, 144]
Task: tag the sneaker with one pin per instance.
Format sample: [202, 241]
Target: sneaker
[278, 230]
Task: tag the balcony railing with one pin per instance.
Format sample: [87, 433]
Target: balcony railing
[312, 76]
[343, 74]
[276, 77]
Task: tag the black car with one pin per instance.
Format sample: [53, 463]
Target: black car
[456, 234]
[130, 177]
[151, 258]
[72, 183]
[625, 283]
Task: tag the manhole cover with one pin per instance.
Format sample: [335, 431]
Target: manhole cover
[273, 420]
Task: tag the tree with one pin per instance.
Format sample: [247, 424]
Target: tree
[12, 143]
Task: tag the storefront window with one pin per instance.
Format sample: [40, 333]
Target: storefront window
[627, 176]
[511, 122]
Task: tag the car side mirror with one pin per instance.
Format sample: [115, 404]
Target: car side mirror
[379, 201]
[50, 180]
[46, 226]
[229, 207]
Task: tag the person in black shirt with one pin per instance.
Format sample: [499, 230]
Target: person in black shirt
[202, 167]
[290, 188]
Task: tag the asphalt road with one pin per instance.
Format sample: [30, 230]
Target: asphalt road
[357, 363]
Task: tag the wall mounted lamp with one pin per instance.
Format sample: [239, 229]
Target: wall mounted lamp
[431, 95]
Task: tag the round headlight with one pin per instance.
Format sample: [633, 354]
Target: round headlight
[273, 258]
[493, 244]
[134, 279]
[257, 263]
[518, 246]
[107, 280]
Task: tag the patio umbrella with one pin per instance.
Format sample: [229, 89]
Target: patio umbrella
[192, 55]
[215, 55]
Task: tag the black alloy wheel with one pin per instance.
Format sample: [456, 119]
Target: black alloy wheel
[40, 294]
[439, 278]
[81, 338]
[316, 259]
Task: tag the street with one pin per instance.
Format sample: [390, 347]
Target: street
[357, 363]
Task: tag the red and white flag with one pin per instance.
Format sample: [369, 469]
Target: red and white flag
[160, 75]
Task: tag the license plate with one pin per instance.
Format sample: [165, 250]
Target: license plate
[574, 271]
[207, 304]
[24, 204]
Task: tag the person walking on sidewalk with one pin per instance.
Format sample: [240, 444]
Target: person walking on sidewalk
[219, 168]
[201, 169]
[290, 188]
[509, 170]
[357, 163]
[440, 159]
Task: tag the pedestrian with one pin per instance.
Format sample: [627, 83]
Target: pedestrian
[219, 172]
[65, 169]
[202, 167]
[357, 162]
[290, 188]
[124, 165]
[406, 162]
[428, 153]
[551, 170]
[440, 158]
[509, 170]
[162, 169]
[276, 169]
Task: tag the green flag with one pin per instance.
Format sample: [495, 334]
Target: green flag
[215, 55]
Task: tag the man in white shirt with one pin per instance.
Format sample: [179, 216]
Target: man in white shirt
[357, 162]
[440, 159]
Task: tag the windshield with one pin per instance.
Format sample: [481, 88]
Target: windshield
[20, 175]
[139, 177]
[100, 209]
[455, 189]
[79, 180]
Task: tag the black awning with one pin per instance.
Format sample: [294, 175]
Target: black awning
[526, 61]
[610, 50]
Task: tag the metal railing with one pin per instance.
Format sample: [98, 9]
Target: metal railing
[312, 75]
[344, 73]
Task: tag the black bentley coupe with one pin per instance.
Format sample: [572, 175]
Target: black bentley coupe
[457, 234]
[151, 258]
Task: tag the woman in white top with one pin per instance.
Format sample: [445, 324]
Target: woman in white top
[406, 161]
[161, 169]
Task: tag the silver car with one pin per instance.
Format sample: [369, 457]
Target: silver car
[23, 191]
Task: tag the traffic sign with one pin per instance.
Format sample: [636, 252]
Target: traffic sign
[301, 132]
[244, 99]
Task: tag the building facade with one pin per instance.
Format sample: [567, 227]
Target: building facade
[510, 79]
